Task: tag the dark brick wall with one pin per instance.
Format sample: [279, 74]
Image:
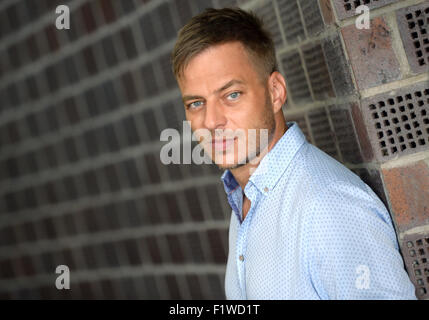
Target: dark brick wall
[81, 111]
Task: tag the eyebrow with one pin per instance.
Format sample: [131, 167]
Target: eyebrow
[224, 87]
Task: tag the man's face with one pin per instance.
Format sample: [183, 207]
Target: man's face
[222, 92]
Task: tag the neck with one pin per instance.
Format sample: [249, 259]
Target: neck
[242, 174]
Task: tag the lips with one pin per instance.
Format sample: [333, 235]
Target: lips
[222, 144]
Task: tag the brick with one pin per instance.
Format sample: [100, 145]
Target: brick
[14, 21]
[175, 248]
[51, 36]
[152, 168]
[398, 121]
[173, 286]
[153, 249]
[13, 96]
[69, 224]
[150, 38]
[194, 204]
[133, 251]
[91, 183]
[127, 6]
[30, 198]
[50, 231]
[88, 17]
[28, 231]
[131, 173]
[415, 250]
[91, 143]
[296, 81]
[70, 187]
[86, 290]
[111, 216]
[129, 289]
[108, 11]
[407, 188]
[194, 246]
[32, 89]
[110, 55]
[194, 287]
[345, 134]
[153, 210]
[323, 134]
[413, 26]
[215, 202]
[108, 289]
[7, 270]
[338, 66]
[312, 17]
[291, 21]
[51, 78]
[371, 54]
[269, 18]
[174, 215]
[110, 95]
[150, 86]
[14, 56]
[130, 129]
[347, 8]
[75, 28]
[90, 256]
[317, 69]
[110, 254]
[217, 286]
[91, 222]
[184, 11]
[327, 11]
[216, 246]
[110, 172]
[89, 59]
[163, 13]
[110, 138]
[128, 42]
[169, 111]
[149, 287]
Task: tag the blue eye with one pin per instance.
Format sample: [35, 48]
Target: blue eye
[234, 95]
[194, 104]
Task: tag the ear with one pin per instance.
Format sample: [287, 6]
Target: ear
[277, 89]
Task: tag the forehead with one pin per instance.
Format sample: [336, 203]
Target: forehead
[217, 64]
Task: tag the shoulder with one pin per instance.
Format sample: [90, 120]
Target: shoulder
[341, 201]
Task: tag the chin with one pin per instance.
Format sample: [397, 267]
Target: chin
[230, 165]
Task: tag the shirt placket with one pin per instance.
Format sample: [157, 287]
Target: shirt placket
[242, 242]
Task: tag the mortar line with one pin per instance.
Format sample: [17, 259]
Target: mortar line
[62, 208]
[88, 82]
[31, 282]
[34, 143]
[68, 242]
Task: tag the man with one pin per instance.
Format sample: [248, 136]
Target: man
[303, 225]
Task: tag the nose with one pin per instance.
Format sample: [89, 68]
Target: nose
[214, 117]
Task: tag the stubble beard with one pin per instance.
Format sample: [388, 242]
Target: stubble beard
[270, 124]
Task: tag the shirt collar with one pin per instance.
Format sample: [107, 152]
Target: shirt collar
[275, 162]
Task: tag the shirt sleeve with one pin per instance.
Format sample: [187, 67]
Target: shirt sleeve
[354, 250]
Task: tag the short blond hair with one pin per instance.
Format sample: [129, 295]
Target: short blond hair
[218, 26]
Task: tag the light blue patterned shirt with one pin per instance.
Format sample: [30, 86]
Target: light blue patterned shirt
[314, 231]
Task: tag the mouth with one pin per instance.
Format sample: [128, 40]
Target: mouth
[222, 144]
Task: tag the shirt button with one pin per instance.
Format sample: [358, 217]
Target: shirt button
[266, 189]
[241, 257]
